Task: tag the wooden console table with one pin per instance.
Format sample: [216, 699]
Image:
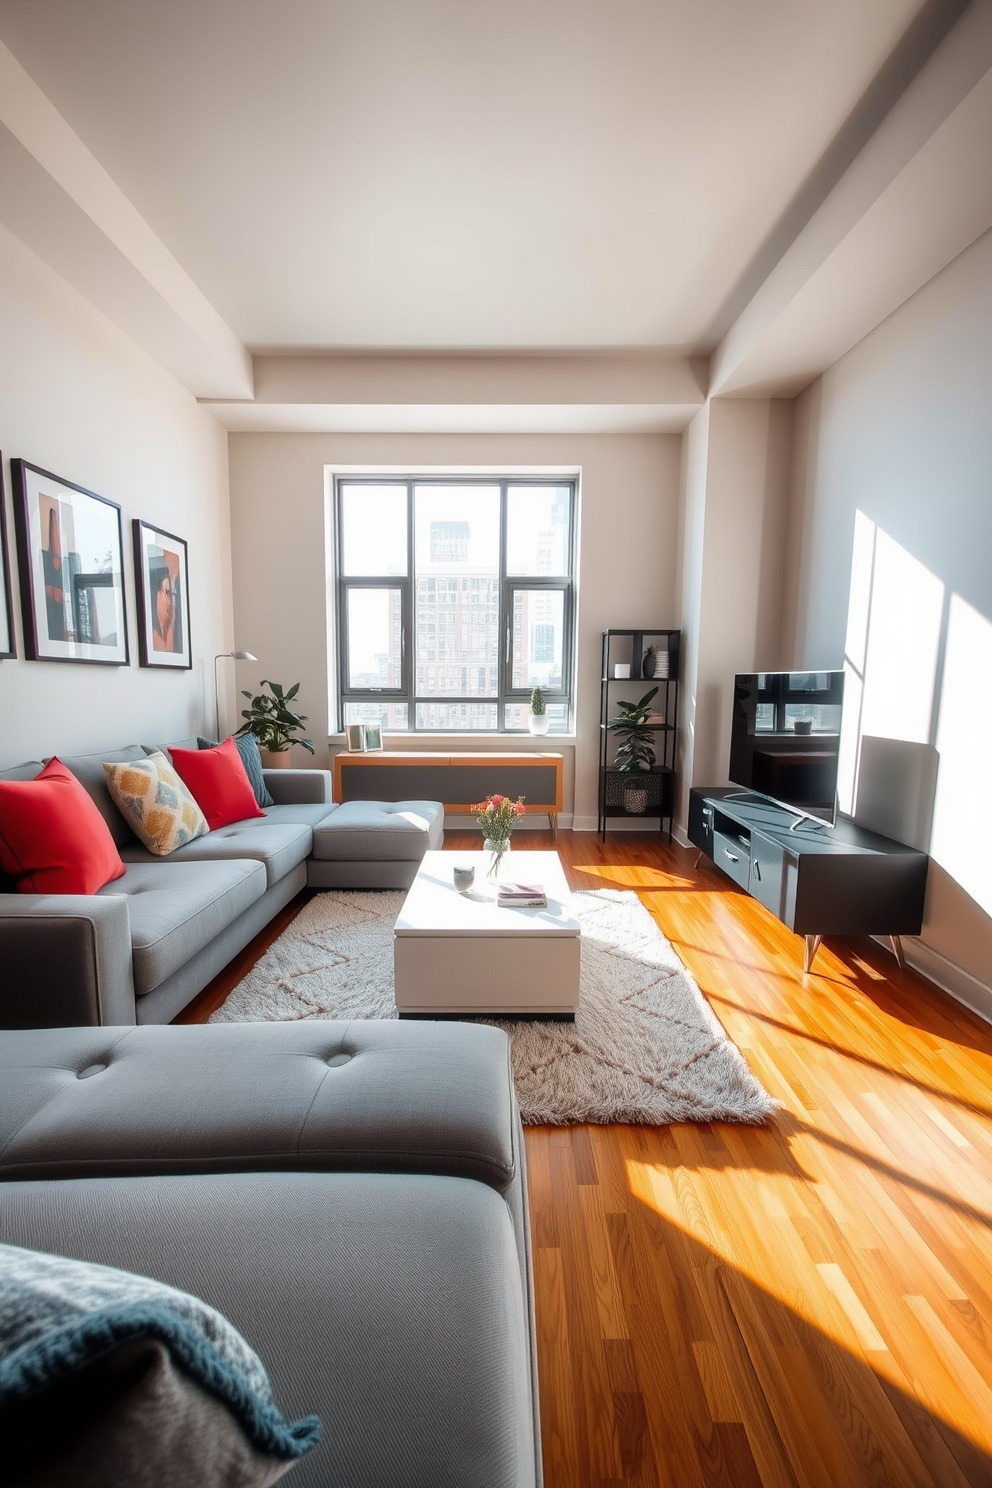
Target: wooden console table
[457, 780]
[816, 879]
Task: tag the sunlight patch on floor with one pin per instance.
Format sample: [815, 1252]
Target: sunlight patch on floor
[892, 1330]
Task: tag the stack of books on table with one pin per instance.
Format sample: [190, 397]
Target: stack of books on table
[522, 896]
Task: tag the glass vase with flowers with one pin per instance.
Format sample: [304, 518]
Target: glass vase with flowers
[497, 816]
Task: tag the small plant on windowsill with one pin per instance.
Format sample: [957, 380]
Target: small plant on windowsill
[537, 720]
[635, 752]
[274, 723]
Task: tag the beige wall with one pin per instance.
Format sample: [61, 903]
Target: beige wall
[900, 429]
[627, 563]
[78, 398]
[733, 528]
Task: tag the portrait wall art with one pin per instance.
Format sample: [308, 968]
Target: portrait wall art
[70, 551]
[163, 598]
[6, 603]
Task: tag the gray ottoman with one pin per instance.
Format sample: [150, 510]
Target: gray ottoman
[374, 844]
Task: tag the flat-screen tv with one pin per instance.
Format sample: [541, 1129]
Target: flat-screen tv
[785, 738]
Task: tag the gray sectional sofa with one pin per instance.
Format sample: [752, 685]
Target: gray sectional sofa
[352, 1196]
[142, 947]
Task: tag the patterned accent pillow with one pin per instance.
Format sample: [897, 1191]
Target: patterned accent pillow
[247, 747]
[155, 802]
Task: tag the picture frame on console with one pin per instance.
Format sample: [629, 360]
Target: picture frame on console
[7, 647]
[70, 549]
[355, 735]
[372, 737]
[161, 570]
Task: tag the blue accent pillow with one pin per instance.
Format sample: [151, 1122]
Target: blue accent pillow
[247, 747]
[78, 1341]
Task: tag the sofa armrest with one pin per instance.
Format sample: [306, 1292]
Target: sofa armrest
[66, 960]
[299, 787]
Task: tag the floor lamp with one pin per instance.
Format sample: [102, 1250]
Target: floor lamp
[235, 656]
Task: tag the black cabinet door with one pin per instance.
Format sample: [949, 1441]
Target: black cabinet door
[767, 882]
[701, 816]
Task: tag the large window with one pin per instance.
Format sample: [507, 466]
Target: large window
[454, 599]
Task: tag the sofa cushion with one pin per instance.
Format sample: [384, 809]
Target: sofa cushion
[88, 770]
[368, 831]
[53, 840]
[278, 846]
[303, 815]
[247, 747]
[390, 1305]
[378, 1096]
[176, 909]
[156, 803]
[219, 782]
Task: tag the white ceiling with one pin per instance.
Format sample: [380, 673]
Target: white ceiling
[446, 174]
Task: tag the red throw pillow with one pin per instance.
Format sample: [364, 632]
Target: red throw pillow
[52, 836]
[218, 783]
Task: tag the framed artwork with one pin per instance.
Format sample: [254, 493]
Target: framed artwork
[70, 548]
[372, 736]
[163, 598]
[6, 604]
[355, 734]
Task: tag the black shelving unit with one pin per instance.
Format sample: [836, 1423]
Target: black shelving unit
[643, 794]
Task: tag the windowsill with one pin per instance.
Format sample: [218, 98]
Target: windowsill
[399, 740]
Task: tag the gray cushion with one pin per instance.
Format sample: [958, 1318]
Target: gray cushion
[176, 909]
[370, 830]
[88, 770]
[380, 1096]
[27, 771]
[279, 846]
[310, 816]
[392, 1306]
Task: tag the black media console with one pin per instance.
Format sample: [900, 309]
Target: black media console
[817, 880]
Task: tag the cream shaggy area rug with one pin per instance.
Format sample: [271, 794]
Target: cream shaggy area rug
[645, 1046]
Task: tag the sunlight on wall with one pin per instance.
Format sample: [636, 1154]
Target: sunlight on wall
[962, 824]
[891, 649]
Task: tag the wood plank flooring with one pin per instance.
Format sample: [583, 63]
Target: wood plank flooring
[802, 1305]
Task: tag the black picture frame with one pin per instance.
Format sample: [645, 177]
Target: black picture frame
[162, 558]
[70, 550]
[8, 647]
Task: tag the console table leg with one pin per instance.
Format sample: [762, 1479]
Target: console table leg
[812, 946]
[553, 820]
[897, 951]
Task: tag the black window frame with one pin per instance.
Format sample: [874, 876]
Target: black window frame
[507, 586]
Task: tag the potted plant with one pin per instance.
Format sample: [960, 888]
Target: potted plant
[274, 724]
[537, 720]
[635, 751]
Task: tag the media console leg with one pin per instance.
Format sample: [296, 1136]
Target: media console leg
[813, 943]
[553, 820]
[896, 942]
[699, 858]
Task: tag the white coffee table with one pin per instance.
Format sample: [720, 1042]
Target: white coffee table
[460, 953]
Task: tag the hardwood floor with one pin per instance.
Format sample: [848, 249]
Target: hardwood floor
[802, 1305]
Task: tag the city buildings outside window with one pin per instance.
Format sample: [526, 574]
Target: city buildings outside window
[453, 599]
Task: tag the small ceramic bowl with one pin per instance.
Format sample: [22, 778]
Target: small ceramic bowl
[464, 879]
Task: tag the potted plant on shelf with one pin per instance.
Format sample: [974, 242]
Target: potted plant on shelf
[537, 719]
[635, 751]
[274, 724]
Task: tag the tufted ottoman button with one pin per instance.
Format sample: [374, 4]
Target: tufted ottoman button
[337, 1060]
[91, 1069]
